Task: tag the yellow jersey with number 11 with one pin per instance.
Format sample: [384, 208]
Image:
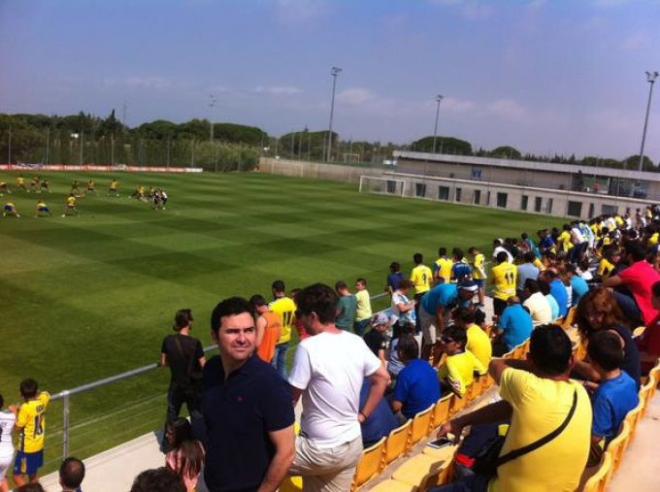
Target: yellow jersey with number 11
[285, 308]
[504, 280]
[32, 422]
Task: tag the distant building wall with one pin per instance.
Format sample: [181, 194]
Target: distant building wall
[484, 193]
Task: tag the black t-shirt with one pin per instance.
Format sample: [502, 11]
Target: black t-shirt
[239, 413]
[376, 341]
[184, 361]
[631, 359]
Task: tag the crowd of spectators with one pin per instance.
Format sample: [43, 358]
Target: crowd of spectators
[359, 374]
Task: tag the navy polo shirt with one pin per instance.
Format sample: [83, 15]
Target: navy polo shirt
[239, 413]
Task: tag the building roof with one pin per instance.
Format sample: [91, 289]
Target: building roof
[528, 165]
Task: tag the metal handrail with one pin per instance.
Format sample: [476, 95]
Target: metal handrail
[65, 395]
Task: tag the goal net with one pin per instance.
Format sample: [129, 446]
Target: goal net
[382, 186]
[351, 158]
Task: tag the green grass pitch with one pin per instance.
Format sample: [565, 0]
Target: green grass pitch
[87, 297]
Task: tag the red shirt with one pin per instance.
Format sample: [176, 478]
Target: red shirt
[639, 278]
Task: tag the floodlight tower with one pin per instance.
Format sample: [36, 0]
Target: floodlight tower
[212, 101]
[334, 72]
[650, 78]
[438, 100]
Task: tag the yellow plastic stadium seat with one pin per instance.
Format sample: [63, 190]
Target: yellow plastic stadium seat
[441, 412]
[645, 395]
[457, 405]
[509, 354]
[639, 331]
[598, 481]
[415, 470]
[633, 419]
[397, 443]
[519, 351]
[369, 465]
[393, 486]
[292, 484]
[654, 375]
[618, 445]
[445, 453]
[421, 425]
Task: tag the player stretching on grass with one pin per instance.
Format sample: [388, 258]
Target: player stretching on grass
[70, 208]
[75, 188]
[44, 186]
[114, 188]
[20, 183]
[42, 209]
[31, 424]
[35, 184]
[91, 186]
[10, 210]
[4, 188]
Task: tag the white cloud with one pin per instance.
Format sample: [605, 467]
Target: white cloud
[140, 82]
[507, 109]
[285, 90]
[636, 41]
[300, 11]
[356, 96]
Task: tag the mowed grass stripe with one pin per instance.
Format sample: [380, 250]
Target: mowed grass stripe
[90, 296]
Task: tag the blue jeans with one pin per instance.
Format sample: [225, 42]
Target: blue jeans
[279, 361]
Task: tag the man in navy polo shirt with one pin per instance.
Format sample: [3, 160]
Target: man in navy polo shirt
[247, 409]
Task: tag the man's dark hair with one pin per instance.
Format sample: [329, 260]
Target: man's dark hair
[442, 251]
[182, 318]
[407, 347]
[72, 473]
[656, 289]
[320, 299]
[544, 287]
[395, 267]
[605, 349]
[158, 480]
[29, 388]
[524, 235]
[362, 281]
[457, 334]
[529, 257]
[340, 285]
[479, 316]
[502, 257]
[458, 253]
[31, 487]
[551, 349]
[467, 316]
[278, 286]
[635, 250]
[229, 307]
[472, 250]
[418, 258]
[532, 286]
[256, 301]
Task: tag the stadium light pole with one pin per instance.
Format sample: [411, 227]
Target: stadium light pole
[438, 100]
[212, 102]
[650, 78]
[334, 72]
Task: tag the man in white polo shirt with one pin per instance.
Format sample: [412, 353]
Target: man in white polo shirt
[328, 371]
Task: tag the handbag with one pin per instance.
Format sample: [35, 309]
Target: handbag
[489, 460]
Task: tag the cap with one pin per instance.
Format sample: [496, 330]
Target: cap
[380, 319]
[468, 285]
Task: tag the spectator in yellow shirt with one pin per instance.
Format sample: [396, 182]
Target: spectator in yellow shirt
[457, 372]
[421, 276]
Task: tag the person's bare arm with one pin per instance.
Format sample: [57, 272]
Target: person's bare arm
[397, 406]
[497, 367]
[163, 360]
[495, 413]
[379, 381]
[613, 281]
[584, 370]
[202, 361]
[285, 449]
[261, 330]
[440, 317]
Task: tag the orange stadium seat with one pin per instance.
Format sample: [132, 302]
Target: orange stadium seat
[393, 486]
[599, 480]
[369, 465]
[457, 405]
[397, 443]
[421, 425]
[441, 412]
[633, 419]
[618, 445]
[292, 484]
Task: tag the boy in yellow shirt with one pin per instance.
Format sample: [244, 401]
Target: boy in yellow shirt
[420, 276]
[457, 372]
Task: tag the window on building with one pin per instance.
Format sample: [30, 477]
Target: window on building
[524, 202]
[548, 206]
[443, 192]
[574, 209]
[501, 199]
[477, 197]
[591, 210]
[459, 192]
[391, 186]
[420, 189]
[538, 202]
[609, 210]
[476, 173]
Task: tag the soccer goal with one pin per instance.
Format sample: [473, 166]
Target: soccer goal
[351, 158]
[382, 186]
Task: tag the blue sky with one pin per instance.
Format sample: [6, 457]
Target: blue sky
[544, 76]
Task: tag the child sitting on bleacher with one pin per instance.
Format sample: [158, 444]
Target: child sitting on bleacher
[617, 393]
[457, 371]
[478, 341]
